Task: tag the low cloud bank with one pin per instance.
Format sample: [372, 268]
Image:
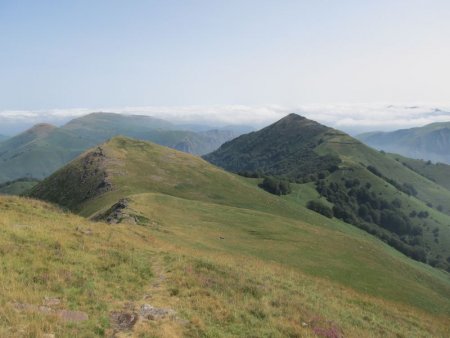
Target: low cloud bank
[350, 118]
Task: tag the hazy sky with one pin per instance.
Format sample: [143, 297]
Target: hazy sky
[95, 53]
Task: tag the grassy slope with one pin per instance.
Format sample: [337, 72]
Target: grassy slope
[192, 211]
[354, 153]
[439, 173]
[239, 290]
[357, 156]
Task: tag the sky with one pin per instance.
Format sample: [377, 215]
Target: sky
[239, 58]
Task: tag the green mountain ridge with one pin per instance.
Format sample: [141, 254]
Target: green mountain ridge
[430, 142]
[365, 187]
[203, 211]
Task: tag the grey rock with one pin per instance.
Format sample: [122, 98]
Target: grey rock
[153, 313]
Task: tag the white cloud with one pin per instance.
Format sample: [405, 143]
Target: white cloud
[347, 117]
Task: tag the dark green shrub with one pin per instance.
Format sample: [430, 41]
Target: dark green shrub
[276, 186]
[321, 208]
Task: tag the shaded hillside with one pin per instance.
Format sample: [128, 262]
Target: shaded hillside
[285, 148]
[3, 138]
[40, 151]
[98, 127]
[431, 142]
[363, 187]
[201, 211]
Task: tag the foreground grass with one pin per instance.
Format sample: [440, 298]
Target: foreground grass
[47, 253]
[98, 268]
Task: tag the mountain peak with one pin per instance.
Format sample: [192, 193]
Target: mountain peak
[295, 121]
[38, 131]
[292, 138]
[293, 116]
[41, 128]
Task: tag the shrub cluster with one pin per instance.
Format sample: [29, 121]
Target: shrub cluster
[276, 186]
[321, 208]
[356, 203]
[405, 187]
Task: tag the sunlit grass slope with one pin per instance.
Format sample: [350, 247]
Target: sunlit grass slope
[254, 282]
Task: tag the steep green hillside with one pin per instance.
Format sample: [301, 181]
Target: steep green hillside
[17, 187]
[43, 149]
[430, 142]
[253, 241]
[362, 186]
[285, 148]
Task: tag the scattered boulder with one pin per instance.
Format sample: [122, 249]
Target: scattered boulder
[51, 301]
[118, 213]
[87, 231]
[48, 309]
[123, 320]
[153, 313]
[72, 316]
[45, 309]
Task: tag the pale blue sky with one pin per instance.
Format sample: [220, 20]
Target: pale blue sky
[68, 54]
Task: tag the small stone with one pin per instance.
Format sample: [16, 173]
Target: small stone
[23, 306]
[304, 324]
[45, 309]
[182, 321]
[73, 316]
[123, 320]
[153, 313]
[50, 301]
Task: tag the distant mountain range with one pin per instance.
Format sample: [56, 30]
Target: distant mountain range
[3, 137]
[431, 142]
[41, 150]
